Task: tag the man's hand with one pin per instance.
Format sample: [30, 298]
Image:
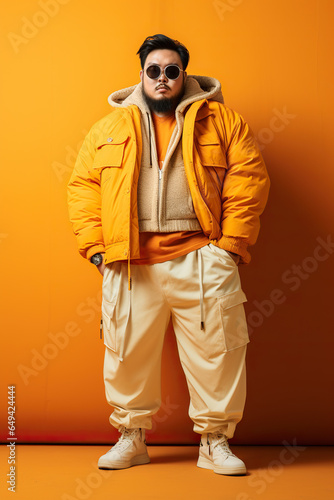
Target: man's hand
[102, 266]
[234, 256]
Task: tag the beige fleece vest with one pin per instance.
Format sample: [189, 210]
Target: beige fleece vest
[164, 199]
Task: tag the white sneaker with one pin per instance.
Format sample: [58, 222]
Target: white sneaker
[215, 454]
[129, 450]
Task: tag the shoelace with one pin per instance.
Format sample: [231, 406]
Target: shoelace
[126, 439]
[220, 441]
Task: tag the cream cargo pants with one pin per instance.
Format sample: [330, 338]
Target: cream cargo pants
[201, 291]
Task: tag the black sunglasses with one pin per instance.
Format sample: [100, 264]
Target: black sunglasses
[172, 71]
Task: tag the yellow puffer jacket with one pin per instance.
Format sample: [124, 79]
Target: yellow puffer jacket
[227, 178]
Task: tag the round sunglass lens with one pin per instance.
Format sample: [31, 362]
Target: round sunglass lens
[172, 72]
[153, 72]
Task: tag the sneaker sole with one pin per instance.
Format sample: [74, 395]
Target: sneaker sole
[137, 460]
[220, 469]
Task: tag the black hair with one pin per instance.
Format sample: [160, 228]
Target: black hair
[162, 42]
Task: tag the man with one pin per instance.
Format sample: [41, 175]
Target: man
[165, 199]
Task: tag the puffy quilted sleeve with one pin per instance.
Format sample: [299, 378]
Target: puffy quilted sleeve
[245, 189]
[84, 201]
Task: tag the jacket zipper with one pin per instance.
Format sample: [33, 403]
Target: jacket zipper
[160, 177]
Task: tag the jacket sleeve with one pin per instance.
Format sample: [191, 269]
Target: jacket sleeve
[84, 201]
[245, 189]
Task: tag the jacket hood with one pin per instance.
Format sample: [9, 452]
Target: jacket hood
[196, 88]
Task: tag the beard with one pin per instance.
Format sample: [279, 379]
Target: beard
[164, 105]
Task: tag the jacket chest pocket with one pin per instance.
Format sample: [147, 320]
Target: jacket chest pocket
[207, 141]
[109, 155]
[209, 151]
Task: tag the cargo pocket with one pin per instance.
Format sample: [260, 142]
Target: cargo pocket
[233, 320]
[109, 326]
[110, 292]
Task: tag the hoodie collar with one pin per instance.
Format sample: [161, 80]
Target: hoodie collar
[196, 88]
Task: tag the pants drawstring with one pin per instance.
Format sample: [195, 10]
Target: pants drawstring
[122, 337]
[129, 273]
[200, 273]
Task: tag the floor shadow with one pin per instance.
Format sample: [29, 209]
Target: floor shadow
[262, 457]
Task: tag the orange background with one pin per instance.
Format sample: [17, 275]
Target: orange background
[274, 59]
